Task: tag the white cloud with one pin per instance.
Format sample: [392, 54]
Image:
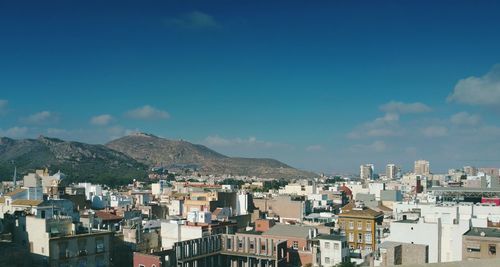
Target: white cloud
[314, 148]
[464, 118]
[101, 120]
[435, 131]
[405, 108]
[195, 20]
[14, 132]
[380, 127]
[42, 117]
[3, 106]
[484, 90]
[147, 112]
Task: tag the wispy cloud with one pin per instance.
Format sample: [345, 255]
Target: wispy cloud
[43, 117]
[484, 90]
[464, 118]
[147, 112]
[405, 108]
[195, 20]
[14, 132]
[101, 120]
[386, 125]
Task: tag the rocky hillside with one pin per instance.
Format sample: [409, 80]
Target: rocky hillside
[152, 150]
[79, 161]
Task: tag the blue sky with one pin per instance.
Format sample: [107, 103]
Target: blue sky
[323, 86]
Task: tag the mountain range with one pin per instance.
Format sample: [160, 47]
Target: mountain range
[129, 157]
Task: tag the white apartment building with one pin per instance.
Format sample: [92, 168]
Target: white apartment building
[298, 189]
[330, 250]
[440, 226]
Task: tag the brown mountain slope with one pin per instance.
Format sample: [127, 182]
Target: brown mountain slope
[153, 150]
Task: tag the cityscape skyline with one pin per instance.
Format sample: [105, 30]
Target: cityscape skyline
[323, 89]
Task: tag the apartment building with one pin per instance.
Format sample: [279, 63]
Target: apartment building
[359, 224]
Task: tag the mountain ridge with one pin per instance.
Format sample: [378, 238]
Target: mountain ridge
[129, 157]
[153, 150]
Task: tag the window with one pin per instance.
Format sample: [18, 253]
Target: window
[492, 249]
[360, 237]
[360, 225]
[228, 244]
[336, 246]
[368, 226]
[295, 244]
[99, 245]
[252, 245]
[327, 244]
[474, 248]
[153, 265]
[351, 225]
[351, 237]
[368, 238]
[142, 265]
[327, 260]
[240, 243]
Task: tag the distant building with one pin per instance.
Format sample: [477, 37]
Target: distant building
[366, 172]
[421, 167]
[391, 171]
[470, 170]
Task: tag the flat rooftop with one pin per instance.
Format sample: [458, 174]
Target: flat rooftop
[483, 232]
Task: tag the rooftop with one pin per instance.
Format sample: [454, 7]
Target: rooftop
[107, 216]
[407, 221]
[15, 192]
[288, 230]
[331, 237]
[27, 202]
[483, 232]
[350, 211]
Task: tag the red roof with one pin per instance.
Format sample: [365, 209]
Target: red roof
[107, 216]
[346, 190]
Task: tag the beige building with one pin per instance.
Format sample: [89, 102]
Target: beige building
[56, 242]
[397, 253]
[366, 172]
[422, 167]
[481, 243]
[391, 171]
[358, 223]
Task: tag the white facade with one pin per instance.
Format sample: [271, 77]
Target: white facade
[175, 207]
[298, 189]
[176, 231]
[242, 204]
[91, 190]
[120, 201]
[375, 188]
[332, 252]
